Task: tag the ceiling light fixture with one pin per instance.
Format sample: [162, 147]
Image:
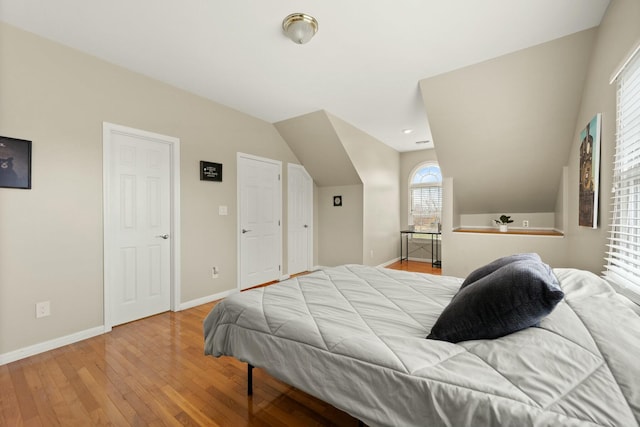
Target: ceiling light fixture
[300, 27]
[407, 131]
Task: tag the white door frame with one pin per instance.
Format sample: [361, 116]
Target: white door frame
[108, 129]
[238, 211]
[309, 209]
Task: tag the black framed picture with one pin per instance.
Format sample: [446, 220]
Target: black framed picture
[15, 163]
[210, 171]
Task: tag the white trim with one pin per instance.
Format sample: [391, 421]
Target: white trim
[419, 166]
[284, 277]
[493, 227]
[32, 350]
[463, 230]
[107, 130]
[620, 68]
[240, 155]
[418, 259]
[310, 242]
[205, 300]
[176, 259]
[384, 264]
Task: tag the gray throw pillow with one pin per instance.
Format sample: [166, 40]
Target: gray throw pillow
[513, 297]
[479, 273]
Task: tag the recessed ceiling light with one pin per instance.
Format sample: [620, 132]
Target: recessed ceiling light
[407, 131]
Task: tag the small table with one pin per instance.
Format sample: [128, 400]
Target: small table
[435, 249]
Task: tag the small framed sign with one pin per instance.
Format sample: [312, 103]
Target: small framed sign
[15, 163]
[210, 171]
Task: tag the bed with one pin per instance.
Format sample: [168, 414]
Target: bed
[355, 337]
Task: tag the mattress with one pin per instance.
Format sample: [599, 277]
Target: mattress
[354, 336]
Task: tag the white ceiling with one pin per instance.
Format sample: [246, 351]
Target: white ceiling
[363, 65]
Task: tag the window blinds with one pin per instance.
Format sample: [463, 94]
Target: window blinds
[623, 255]
[426, 206]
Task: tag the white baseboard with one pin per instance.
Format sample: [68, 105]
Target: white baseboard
[205, 300]
[384, 264]
[32, 350]
[420, 259]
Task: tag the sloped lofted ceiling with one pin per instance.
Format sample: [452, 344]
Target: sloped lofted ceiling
[313, 139]
[363, 65]
[503, 128]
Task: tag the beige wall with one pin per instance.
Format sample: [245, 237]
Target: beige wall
[378, 166]
[503, 128]
[340, 229]
[464, 252]
[618, 33]
[537, 220]
[314, 141]
[339, 155]
[51, 236]
[581, 247]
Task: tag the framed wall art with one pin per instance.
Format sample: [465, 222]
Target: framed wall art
[589, 173]
[15, 163]
[210, 171]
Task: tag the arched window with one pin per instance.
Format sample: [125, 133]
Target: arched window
[425, 197]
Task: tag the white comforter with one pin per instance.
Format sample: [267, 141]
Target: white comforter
[354, 336]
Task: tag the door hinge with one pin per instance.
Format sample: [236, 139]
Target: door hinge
[278, 177]
[279, 268]
[278, 223]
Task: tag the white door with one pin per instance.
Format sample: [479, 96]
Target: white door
[259, 210]
[299, 219]
[138, 224]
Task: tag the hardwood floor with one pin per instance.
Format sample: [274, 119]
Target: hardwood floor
[416, 266]
[152, 372]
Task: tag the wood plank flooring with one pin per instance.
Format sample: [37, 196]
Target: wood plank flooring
[152, 372]
[416, 266]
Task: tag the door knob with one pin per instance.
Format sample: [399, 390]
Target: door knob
[163, 236]
[305, 226]
[245, 231]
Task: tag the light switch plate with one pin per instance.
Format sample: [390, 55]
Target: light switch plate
[222, 210]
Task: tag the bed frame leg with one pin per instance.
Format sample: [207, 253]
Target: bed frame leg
[249, 379]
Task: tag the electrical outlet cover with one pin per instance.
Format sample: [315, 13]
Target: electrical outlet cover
[43, 309]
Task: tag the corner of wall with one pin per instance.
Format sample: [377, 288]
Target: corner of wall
[562, 201]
